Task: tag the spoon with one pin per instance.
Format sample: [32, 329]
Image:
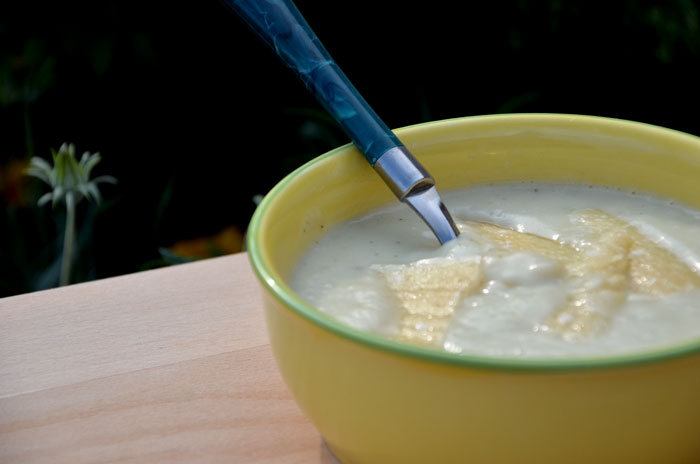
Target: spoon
[282, 27]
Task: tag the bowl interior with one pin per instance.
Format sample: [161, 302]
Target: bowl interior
[463, 152]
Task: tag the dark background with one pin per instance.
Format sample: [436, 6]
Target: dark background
[195, 117]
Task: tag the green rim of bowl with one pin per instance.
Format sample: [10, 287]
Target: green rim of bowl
[286, 296]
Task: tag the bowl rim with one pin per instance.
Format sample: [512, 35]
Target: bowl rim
[290, 300]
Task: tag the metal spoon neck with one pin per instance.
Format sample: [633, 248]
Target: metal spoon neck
[412, 184]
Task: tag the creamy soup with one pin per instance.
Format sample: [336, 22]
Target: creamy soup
[538, 271]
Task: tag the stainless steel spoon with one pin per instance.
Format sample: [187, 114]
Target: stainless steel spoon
[282, 27]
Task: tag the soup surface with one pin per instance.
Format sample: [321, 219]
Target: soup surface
[539, 271]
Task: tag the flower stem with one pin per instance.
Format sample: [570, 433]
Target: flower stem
[68, 240]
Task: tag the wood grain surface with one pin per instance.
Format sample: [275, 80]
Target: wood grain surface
[164, 366]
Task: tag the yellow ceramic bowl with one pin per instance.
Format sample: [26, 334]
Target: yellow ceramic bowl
[378, 401]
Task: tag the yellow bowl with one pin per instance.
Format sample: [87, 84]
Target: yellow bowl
[378, 401]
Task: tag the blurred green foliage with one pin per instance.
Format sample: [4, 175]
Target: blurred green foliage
[195, 117]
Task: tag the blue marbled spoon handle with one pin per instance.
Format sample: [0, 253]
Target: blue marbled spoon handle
[280, 25]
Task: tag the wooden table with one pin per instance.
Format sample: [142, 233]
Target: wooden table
[165, 366]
